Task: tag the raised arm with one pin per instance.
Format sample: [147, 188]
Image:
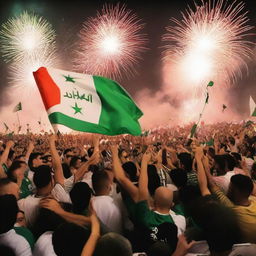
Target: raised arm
[143, 180]
[29, 150]
[58, 172]
[90, 245]
[121, 177]
[4, 156]
[94, 159]
[202, 180]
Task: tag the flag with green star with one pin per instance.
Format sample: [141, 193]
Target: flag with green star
[87, 103]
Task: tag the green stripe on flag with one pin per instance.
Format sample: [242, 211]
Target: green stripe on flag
[76, 124]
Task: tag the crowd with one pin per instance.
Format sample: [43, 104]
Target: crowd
[161, 194]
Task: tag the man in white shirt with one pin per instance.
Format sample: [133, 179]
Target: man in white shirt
[45, 187]
[8, 236]
[105, 207]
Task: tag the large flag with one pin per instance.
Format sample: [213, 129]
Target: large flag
[18, 107]
[87, 103]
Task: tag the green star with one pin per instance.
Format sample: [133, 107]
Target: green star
[77, 109]
[69, 79]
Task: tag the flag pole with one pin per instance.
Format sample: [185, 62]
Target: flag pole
[18, 121]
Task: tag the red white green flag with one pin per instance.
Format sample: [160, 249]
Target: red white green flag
[87, 103]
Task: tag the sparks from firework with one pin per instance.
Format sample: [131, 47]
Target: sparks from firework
[210, 43]
[26, 36]
[110, 43]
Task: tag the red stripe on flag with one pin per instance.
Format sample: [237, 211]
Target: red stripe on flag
[49, 91]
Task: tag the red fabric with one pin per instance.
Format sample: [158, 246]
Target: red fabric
[49, 91]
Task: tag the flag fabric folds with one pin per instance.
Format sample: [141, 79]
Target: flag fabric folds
[87, 103]
[18, 107]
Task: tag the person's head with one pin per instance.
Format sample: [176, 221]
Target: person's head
[220, 164]
[159, 248]
[35, 160]
[80, 196]
[164, 157]
[240, 187]
[8, 187]
[232, 140]
[69, 239]
[218, 223]
[237, 158]
[101, 183]
[153, 179]
[179, 177]
[112, 244]
[67, 155]
[16, 170]
[230, 160]
[21, 220]
[43, 179]
[186, 161]
[8, 212]
[131, 169]
[163, 198]
[124, 156]
[75, 162]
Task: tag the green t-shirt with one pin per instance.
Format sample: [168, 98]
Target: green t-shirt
[26, 233]
[26, 188]
[150, 218]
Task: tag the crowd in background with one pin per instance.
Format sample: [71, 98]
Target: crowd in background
[165, 193]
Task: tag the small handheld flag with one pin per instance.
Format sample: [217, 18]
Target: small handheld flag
[18, 107]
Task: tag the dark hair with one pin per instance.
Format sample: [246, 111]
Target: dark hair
[14, 166]
[113, 244]
[99, 180]
[11, 154]
[186, 160]
[80, 196]
[90, 151]
[66, 151]
[66, 170]
[237, 158]
[73, 161]
[230, 160]
[153, 179]
[31, 158]
[164, 157]
[69, 239]
[159, 248]
[218, 223]
[131, 169]
[4, 182]
[243, 184]
[222, 164]
[8, 212]
[232, 140]
[179, 177]
[42, 176]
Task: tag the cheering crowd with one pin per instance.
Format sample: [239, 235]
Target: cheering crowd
[164, 193]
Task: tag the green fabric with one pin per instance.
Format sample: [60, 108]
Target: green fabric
[26, 233]
[193, 130]
[26, 188]
[118, 108]
[254, 112]
[5, 168]
[179, 209]
[150, 218]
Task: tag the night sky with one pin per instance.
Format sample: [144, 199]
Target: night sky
[67, 18]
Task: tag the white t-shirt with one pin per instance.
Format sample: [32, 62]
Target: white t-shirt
[29, 205]
[43, 246]
[17, 243]
[108, 212]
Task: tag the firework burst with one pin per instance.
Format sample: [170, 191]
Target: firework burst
[210, 43]
[26, 36]
[111, 43]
